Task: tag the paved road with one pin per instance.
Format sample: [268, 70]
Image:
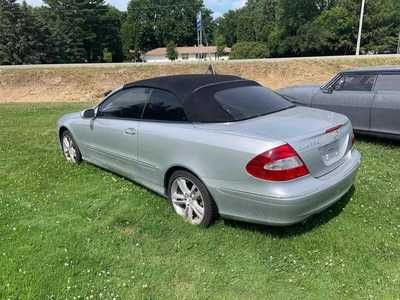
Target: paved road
[124, 65]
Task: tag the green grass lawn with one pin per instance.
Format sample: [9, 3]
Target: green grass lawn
[82, 232]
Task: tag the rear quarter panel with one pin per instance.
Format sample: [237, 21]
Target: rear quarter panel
[217, 158]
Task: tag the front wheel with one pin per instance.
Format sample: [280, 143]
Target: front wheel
[191, 200]
[70, 148]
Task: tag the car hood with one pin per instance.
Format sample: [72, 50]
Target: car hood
[300, 93]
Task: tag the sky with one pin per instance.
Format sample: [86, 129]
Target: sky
[219, 7]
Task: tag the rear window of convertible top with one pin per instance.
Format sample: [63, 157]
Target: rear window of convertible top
[233, 101]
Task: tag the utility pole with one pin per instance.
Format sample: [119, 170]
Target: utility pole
[360, 28]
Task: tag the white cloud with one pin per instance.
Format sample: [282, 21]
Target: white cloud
[216, 15]
[239, 3]
[222, 6]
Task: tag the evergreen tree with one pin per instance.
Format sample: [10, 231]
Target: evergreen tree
[172, 54]
[29, 47]
[80, 27]
[111, 33]
[25, 40]
[9, 11]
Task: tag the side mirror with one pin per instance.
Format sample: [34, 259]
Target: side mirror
[327, 91]
[88, 113]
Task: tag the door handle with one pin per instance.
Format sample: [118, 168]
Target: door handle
[130, 131]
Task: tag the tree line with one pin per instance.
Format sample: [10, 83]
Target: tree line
[76, 31]
[64, 31]
[277, 28]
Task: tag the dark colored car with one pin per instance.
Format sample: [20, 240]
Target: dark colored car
[369, 97]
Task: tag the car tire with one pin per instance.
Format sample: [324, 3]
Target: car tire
[70, 148]
[191, 200]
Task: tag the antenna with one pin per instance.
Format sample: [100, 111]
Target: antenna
[200, 31]
[211, 66]
[211, 69]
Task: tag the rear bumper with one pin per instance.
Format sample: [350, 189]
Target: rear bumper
[312, 196]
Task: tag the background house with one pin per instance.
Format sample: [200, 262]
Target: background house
[187, 54]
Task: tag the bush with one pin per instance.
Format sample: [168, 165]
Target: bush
[249, 50]
[172, 54]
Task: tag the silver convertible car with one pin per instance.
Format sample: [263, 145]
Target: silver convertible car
[218, 145]
[369, 97]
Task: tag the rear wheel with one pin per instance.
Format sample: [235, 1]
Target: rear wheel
[70, 148]
[191, 200]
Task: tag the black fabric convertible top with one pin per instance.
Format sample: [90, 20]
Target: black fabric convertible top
[183, 85]
[217, 98]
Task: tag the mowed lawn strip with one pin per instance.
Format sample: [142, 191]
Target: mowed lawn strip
[83, 232]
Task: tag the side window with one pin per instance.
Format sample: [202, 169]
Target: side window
[354, 83]
[125, 104]
[388, 83]
[164, 106]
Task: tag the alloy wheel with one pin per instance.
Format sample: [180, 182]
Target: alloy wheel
[69, 149]
[187, 200]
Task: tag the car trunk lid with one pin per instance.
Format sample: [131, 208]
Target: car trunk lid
[321, 138]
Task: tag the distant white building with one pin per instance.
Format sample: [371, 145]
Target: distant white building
[187, 54]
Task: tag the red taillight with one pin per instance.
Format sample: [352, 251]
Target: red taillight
[279, 164]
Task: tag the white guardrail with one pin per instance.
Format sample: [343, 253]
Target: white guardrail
[239, 61]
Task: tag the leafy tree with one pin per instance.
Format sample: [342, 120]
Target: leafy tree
[381, 26]
[227, 27]
[150, 25]
[292, 15]
[335, 30]
[172, 54]
[249, 50]
[220, 44]
[326, 36]
[67, 31]
[283, 25]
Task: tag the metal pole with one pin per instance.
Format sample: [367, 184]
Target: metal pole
[198, 45]
[398, 45]
[360, 28]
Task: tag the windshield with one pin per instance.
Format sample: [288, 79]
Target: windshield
[236, 103]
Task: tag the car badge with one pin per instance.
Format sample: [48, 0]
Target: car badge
[336, 133]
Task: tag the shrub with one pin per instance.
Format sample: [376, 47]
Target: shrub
[249, 50]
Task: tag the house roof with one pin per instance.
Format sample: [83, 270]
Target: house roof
[186, 50]
[183, 85]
